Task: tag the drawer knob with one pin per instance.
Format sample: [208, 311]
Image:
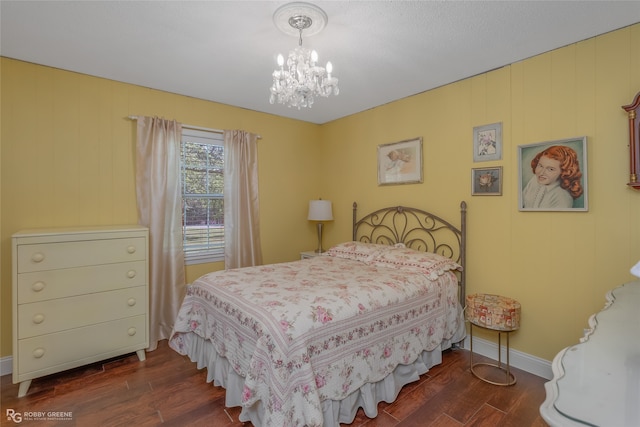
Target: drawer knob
[131, 249]
[37, 286]
[131, 274]
[37, 257]
[132, 331]
[38, 352]
[38, 318]
[131, 302]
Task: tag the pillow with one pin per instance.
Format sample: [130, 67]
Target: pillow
[358, 251]
[428, 263]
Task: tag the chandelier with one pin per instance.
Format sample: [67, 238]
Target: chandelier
[299, 80]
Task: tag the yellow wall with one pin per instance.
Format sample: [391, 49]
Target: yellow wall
[67, 158]
[559, 265]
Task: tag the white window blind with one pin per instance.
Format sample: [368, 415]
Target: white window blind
[202, 172]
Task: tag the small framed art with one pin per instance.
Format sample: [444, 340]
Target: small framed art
[553, 175]
[400, 162]
[487, 142]
[486, 181]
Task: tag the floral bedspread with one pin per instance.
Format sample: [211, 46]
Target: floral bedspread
[305, 331]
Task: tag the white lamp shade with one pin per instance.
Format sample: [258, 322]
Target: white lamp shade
[635, 270]
[320, 210]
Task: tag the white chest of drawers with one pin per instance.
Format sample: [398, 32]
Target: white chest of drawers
[79, 296]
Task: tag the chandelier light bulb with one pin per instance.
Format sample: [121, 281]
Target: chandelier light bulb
[314, 56]
[329, 68]
[280, 60]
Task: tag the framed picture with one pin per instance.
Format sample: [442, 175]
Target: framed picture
[487, 142]
[400, 162]
[486, 181]
[553, 175]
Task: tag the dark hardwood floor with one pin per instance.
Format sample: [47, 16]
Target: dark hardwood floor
[167, 389]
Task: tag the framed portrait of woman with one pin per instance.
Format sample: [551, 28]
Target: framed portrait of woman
[553, 175]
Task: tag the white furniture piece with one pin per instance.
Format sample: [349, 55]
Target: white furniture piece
[80, 295]
[309, 254]
[597, 382]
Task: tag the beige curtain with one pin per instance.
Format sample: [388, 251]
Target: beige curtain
[159, 209]
[241, 205]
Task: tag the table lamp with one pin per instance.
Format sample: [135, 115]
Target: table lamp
[320, 210]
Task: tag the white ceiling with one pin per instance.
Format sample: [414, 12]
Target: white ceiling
[225, 51]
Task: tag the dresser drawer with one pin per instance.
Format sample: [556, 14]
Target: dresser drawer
[64, 350]
[67, 313]
[51, 284]
[50, 256]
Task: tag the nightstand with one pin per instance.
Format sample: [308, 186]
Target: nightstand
[309, 254]
[497, 313]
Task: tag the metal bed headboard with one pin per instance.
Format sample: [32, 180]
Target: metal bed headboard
[416, 229]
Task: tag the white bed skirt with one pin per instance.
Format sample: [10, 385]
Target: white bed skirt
[219, 371]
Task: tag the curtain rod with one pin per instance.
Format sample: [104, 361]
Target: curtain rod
[195, 127]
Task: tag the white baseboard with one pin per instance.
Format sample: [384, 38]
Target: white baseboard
[532, 364]
[6, 365]
[517, 359]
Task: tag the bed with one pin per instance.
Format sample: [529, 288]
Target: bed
[308, 342]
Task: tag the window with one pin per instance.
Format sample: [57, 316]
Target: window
[202, 173]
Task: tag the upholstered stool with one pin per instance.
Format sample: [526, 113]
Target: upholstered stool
[499, 314]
